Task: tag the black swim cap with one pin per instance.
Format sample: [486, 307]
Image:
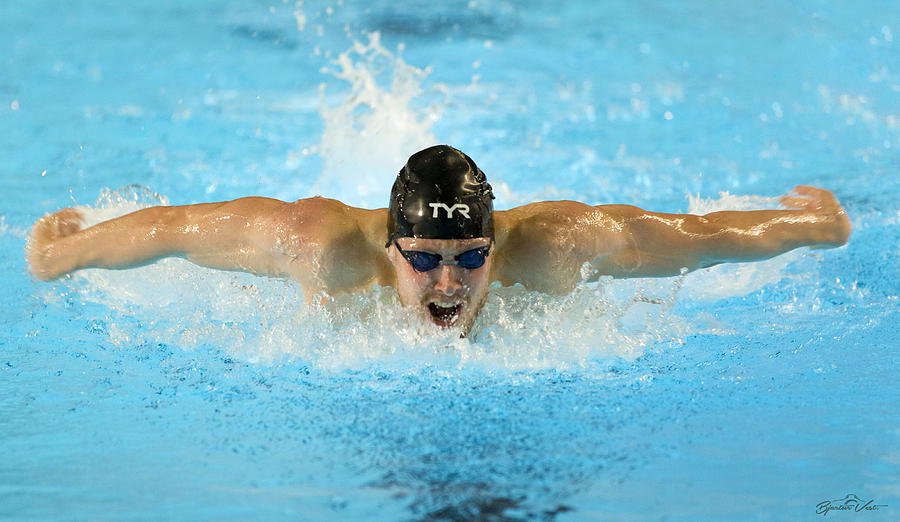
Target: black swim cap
[440, 194]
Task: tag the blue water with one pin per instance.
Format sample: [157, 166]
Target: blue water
[172, 392]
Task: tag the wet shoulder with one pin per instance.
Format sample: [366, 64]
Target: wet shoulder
[543, 214]
[543, 245]
[330, 246]
[319, 218]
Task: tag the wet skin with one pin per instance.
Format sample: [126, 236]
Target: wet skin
[449, 296]
[331, 248]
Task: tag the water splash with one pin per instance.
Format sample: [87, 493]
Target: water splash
[369, 134]
[115, 203]
[11, 230]
[268, 321]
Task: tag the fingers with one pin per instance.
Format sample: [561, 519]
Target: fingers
[809, 197]
[830, 222]
[807, 190]
[36, 257]
[69, 221]
[795, 202]
[815, 192]
[40, 249]
[57, 225]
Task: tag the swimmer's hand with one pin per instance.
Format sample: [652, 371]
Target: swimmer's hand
[47, 257]
[822, 208]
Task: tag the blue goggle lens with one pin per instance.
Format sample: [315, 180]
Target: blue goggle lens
[426, 261]
[472, 259]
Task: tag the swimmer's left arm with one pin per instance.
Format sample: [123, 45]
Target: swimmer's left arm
[544, 246]
[651, 244]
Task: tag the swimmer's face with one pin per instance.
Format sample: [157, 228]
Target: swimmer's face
[449, 296]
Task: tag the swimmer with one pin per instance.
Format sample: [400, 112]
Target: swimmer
[440, 244]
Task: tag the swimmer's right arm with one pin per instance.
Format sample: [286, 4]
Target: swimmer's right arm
[230, 235]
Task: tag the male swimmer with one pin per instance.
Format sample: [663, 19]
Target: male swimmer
[440, 244]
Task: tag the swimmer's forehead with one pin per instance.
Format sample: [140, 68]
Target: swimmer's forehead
[442, 245]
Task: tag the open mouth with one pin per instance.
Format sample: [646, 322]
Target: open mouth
[444, 315]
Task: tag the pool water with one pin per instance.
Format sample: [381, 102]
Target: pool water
[173, 392]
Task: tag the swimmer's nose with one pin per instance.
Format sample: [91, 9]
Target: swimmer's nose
[447, 281]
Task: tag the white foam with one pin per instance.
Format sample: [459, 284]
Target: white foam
[371, 130]
[115, 203]
[267, 321]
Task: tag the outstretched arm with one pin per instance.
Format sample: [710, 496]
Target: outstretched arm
[224, 235]
[546, 244]
[662, 244]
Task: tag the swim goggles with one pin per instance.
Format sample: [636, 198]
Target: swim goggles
[426, 261]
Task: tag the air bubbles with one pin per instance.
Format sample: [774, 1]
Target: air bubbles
[776, 109]
[299, 16]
